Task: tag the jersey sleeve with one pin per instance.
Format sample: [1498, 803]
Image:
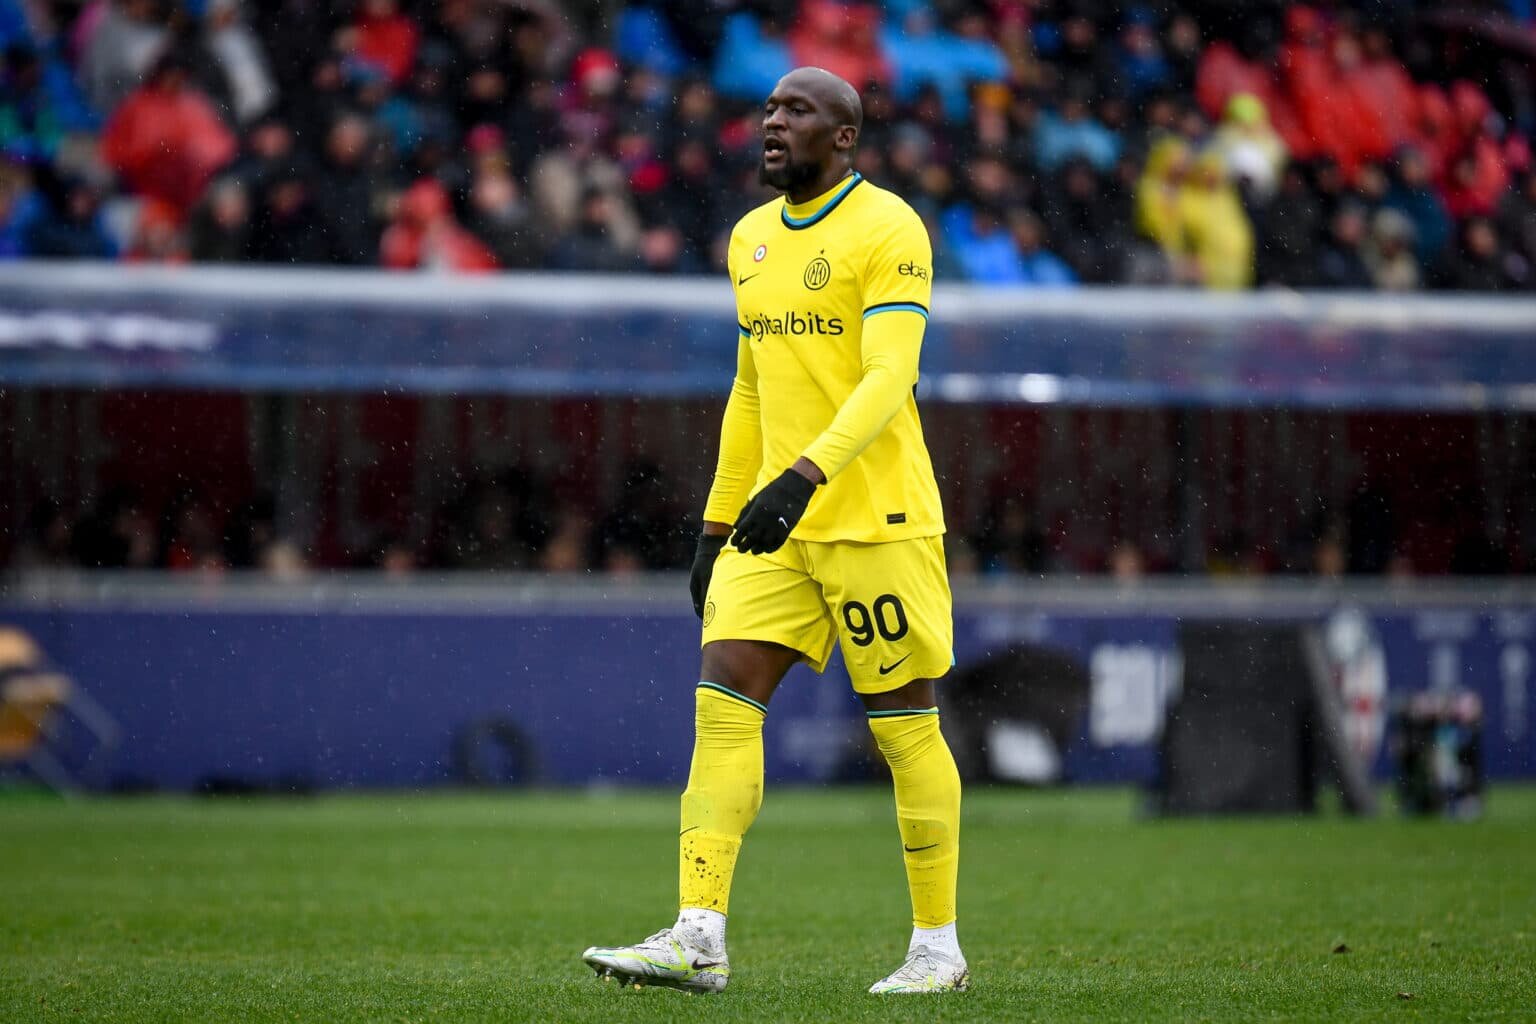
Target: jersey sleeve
[741, 442]
[896, 290]
[899, 274]
[741, 431]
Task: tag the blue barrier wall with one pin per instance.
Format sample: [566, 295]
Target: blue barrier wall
[340, 689]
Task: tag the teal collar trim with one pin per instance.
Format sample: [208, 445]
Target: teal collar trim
[801, 223]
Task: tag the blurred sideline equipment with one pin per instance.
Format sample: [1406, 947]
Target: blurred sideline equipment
[1014, 713]
[324, 679]
[1437, 743]
[1256, 722]
[33, 700]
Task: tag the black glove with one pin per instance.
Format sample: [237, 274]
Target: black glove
[765, 524]
[710, 546]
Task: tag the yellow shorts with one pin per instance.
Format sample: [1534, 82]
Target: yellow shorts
[888, 605]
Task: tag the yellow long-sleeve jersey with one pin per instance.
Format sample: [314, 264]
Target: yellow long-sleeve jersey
[832, 301]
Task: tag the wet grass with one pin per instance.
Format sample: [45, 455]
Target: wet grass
[476, 907]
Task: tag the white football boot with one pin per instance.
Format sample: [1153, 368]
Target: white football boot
[926, 970]
[668, 959]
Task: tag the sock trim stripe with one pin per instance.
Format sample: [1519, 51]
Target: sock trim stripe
[706, 685]
[902, 712]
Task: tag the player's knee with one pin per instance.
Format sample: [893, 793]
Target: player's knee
[918, 693]
[749, 668]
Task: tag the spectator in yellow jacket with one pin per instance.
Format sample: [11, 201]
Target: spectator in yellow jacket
[1217, 231]
[1157, 195]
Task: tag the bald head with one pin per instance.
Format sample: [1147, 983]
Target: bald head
[832, 93]
[811, 125]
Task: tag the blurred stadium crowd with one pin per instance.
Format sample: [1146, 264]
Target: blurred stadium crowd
[515, 520]
[522, 520]
[1371, 144]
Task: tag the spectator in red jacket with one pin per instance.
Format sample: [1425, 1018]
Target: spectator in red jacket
[1226, 72]
[425, 235]
[166, 140]
[1478, 174]
[589, 108]
[1247, 66]
[1311, 82]
[1435, 127]
[1477, 181]
[1362, 126]
[1383, 83]
[386, 39]
[843, 38]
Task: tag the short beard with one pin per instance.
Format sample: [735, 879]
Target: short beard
[789, 178]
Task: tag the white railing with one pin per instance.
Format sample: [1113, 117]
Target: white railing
[583, 292]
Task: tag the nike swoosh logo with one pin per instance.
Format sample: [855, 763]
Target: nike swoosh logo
[886, 670]
[743, 280]
[685, 831]
[700, 965]
[918, 849]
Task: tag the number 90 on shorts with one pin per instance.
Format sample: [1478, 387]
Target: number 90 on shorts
[888, 605]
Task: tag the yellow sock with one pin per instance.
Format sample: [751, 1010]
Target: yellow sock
[725, 789]
[927, 808]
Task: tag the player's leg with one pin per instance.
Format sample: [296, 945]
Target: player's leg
[725, 790]
[893, 610]
[905, 723]
[725, 778]
[762, 615]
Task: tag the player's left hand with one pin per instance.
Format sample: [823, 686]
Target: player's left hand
[709, 548]
[765, 524]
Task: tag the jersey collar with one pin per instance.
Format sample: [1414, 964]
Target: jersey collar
[798, 216]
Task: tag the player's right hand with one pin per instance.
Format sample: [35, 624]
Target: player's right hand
[710, 546]
[770, 517]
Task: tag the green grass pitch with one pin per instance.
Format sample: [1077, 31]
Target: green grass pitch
[476, 907]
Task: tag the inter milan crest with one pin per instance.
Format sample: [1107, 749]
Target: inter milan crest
[817, 273]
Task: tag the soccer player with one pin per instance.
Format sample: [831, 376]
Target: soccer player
[825, 491]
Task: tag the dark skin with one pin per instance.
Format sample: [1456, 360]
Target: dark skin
[811, 125]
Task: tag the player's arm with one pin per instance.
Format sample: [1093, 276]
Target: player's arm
[896, 289]
[893, 340]
[741, 455]
[891, 343]
[741, 445]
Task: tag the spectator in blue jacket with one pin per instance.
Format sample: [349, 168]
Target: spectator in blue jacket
[1413, 195]
[1143, 67]
[39, 105]
[20, 208]
[1038, 266]
[981, 244]
[1003, 248]
[752, 57]
[1071, 131]
[72, 226]
[921, 51]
